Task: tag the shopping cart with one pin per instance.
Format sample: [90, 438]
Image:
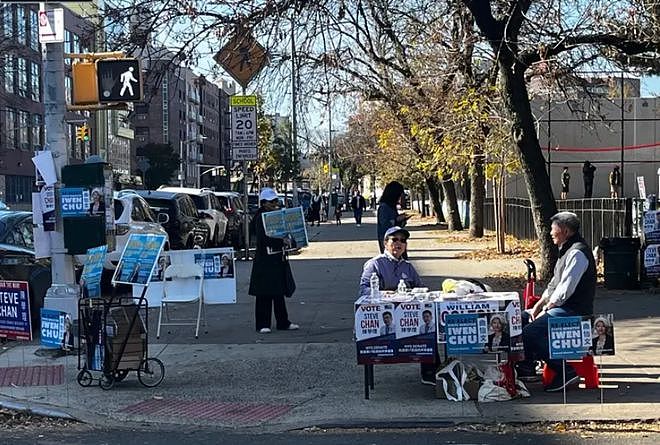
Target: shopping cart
[113, 339]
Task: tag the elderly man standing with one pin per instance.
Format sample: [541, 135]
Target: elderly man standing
[570, 293]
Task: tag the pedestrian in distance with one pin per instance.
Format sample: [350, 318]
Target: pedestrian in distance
[358, 204]
[271, 279]
[338, 215]
[588, 178]
[615, 182]
[565, 180]
[570, 292]
[315, 209]
[387, 213]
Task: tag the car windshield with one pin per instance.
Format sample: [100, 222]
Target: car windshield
[119, 208]
[200, 202]
[159, 205]
[224, 201]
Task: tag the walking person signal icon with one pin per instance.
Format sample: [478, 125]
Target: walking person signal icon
[119, 80]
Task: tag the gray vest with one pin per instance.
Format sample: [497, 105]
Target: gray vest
[582, 300]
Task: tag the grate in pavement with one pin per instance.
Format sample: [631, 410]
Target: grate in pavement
[199, 409]
[50, 375]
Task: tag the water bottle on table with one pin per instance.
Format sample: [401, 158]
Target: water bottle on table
[402, 288]
[374, 283]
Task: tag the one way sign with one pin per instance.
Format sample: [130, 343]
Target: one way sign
[119, 80]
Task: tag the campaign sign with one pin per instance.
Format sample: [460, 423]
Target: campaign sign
[466, 333]
[216, 265]
[52, 328]
[15, 310]
[570, 337]
[375, 332]
[602, 335]
[138, 260]
[652, 260]
[286, 223]
[93, 270]
[652, 227]
[415, 331]
[74, 201]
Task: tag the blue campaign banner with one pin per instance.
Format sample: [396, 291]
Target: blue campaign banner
[216, 265]
[53, 328]
[570, 337]
[287, 223]
[466, 333]
[74, 201]
[15, 310]
[93, 269]
[138, 260]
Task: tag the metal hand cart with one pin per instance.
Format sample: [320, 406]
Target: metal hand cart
[113, 339]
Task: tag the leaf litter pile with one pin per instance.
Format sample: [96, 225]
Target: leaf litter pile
[11, 420]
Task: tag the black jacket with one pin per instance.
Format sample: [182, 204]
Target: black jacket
[271, 274]
[582, 299]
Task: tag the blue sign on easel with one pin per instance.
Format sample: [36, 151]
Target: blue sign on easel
[569, 337]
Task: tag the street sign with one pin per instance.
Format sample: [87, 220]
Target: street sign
[51, 26]
[119, 80]
[244, 128]
[243, 58]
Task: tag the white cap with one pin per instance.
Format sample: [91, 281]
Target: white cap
[267, 194]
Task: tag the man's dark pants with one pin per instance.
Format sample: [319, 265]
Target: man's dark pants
[535, 337]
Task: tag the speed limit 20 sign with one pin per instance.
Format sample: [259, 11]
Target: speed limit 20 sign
[244, 128]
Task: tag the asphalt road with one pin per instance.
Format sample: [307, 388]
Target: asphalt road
[84, 435]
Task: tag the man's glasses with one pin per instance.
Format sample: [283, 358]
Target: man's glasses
[396, 239]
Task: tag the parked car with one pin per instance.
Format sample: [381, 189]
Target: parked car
[232, 205]
[184, 227]
[209, 209]
[17, 260]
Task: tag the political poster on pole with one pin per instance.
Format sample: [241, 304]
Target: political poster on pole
[15, 322]
[570, 337]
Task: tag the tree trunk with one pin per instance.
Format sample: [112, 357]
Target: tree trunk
[454, 217]
[435, 193]
[477, 194]
[536, 176]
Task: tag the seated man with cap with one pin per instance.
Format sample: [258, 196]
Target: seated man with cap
[391, 267]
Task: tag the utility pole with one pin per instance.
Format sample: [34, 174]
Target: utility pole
[55, 129]
[294, 117]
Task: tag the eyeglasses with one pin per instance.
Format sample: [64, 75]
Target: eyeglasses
[396, 239]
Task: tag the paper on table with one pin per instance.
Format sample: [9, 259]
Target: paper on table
[44, 162]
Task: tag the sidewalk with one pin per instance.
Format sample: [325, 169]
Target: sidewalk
[233, 377]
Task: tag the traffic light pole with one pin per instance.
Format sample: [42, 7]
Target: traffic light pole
[55, 126]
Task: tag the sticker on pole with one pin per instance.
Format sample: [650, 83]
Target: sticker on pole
[51, 26]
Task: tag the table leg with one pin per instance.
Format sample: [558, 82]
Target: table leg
[366, 382]
[371, 376]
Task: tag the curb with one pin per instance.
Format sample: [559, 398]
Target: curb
[38, 410]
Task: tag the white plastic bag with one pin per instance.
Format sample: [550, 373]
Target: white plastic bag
[452, 379]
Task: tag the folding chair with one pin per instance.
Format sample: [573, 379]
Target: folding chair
[183, 284]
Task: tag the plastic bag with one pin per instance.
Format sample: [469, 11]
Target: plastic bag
[500, 384]
[452, 380]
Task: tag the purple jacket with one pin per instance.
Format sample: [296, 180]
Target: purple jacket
[390, 271]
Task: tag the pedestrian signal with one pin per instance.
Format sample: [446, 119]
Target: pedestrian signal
[82, 134]
[119, 80]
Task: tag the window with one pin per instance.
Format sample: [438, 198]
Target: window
[35, 82]
[33, 26]
[9, 73]
[37, 122]
[68, 45]
[68, 88]
[21, 32]
[7, 21]
[10, 128]
[22, 77]
[19, 188]
[24, 130]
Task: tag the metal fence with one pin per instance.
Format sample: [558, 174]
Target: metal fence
[600, 217]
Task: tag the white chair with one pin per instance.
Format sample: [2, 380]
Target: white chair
[183, 284]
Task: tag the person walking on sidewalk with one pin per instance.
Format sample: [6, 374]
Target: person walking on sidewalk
[388, 216]
[271, 279]
[588, 178]
[565, 180]
[570, 293]
[615, 182]
[315, 209]
[358, 204]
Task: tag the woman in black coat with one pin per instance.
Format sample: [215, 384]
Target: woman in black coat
[271, 279]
